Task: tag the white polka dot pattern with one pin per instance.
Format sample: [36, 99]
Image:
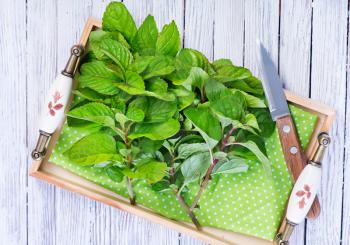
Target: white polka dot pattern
[251, 203]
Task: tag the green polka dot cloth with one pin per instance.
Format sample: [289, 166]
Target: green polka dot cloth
[251, 203]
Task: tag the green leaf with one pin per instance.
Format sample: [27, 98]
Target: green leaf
[231, 166]
[117, 52]
[135, 114]
[250, 145]
[89, 94]
[184, 97]
[115, 173]
[134, 84]
[186, 150]
[215, 90]
[155, 110]
[168, 42]
[250, 85]
[188, 58]
[250, 120]
[94, 112]
[230, 106]
[206, 124]
[121, 119]
[220, 63]
[157, 85]
[151, 170]
[195, 167]
[146, 37]
[197, 78]
[97, 36]
[157, 66]
[97, 76]
[150, 146]
[226, 72]
[156, 131]
[117, 18]
[265, 122]
[93, 149]
[252, 101]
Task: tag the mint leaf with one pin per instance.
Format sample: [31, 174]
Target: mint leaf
[115, 173]
[94, 112]
[156, 131]
[186, 150]
[97, 76]
[205, 122]
[228, 73]
[117, 52]
[135, 114]
[93, 149]
[168, 42]
[155, 110]
[230, 106]
[117, 18]
[195, 167]
[144, 42]
[252, 146]
[134, 84]
[158, 66]
[230, 166]
[151, 170]
[184, 97]
[250, 85]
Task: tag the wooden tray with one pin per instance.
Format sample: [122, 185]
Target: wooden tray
[58, 176]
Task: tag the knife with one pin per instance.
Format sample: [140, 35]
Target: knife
[279, 110]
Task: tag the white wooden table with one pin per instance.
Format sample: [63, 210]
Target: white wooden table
[309, 40]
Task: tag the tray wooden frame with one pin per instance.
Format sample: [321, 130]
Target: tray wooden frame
[53, 174]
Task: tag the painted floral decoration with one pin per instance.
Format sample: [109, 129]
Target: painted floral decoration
[54, 105]
[302, 194]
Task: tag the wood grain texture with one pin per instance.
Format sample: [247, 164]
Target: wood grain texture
[35, 37]
[328, 84]
[41, 48]
[346, 183]
[229, 30]
[294, 59]
[199, 23]
[13, 227]
[296, 160]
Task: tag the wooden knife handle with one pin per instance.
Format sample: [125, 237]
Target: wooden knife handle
[293, 155]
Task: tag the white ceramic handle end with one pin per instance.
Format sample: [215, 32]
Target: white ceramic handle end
[56, 103]
[304, 193]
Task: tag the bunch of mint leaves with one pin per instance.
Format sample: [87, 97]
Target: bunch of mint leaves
[162, 113]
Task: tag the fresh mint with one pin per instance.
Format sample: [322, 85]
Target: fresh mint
[147, 109]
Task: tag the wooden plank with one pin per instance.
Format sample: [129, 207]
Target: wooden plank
[294, 60]
[199, 26]
[346, 185]
[229, 30]
[261, 24]
[41, 62]
[13, 174]
[70, 18]
[328, 84]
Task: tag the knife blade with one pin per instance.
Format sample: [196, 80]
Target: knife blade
[280, 113]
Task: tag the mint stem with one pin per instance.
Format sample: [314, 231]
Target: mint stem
[130, 192]
[205, 182]
[129, 184]
[181, 199]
